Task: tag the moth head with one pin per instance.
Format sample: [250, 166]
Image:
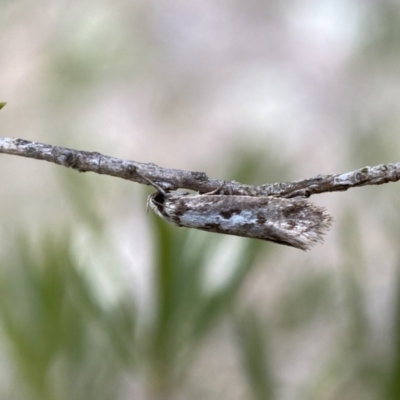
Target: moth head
[155, 200]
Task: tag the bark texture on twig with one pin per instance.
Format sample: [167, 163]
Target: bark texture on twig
[171, 179]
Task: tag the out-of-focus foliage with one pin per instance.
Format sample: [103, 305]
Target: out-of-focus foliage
[63, 343]
[253, 341]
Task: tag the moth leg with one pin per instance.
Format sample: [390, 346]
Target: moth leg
[214, 191]
[148, 203]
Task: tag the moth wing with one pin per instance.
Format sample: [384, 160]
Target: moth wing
[293, 222]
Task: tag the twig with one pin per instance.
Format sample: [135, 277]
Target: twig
[171, 179]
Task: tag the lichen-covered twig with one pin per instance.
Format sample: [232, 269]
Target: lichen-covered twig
[171, 179]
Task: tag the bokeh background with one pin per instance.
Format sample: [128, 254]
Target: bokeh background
[99, 300]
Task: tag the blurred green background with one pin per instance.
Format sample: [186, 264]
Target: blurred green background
[99, 300]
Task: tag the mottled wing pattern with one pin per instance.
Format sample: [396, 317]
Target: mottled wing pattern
[292, 222]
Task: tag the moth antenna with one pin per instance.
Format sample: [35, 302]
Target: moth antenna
[158, 187]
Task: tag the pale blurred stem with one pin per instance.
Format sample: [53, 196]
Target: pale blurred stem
[171, 179]
[159, 394]
[159, 385]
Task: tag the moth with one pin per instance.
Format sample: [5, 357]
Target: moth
[291, 222]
